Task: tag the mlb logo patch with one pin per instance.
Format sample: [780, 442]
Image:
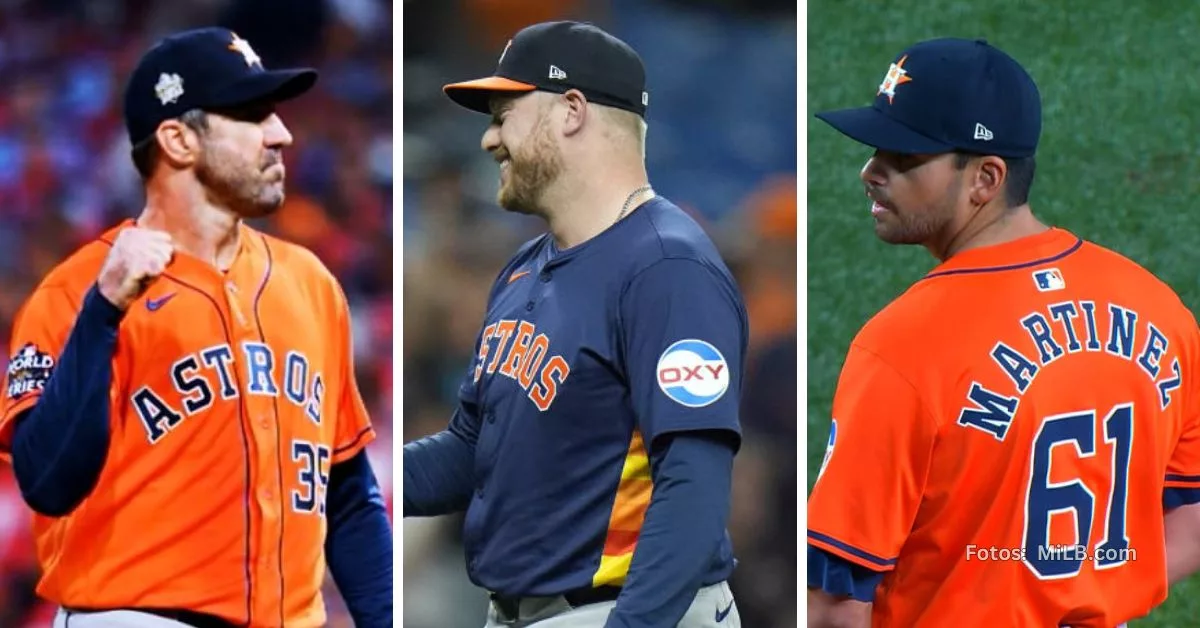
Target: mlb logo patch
[1048, 280]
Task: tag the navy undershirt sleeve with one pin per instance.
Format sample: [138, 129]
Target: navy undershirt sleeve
[1175, 497]
[358, 547]
[439, 470]
[682, 531]
[839, 577]
[60, 444]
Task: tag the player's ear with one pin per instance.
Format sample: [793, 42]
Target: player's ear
[987, 179]
[178, 144]
[576, 111]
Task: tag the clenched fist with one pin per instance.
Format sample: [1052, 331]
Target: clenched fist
[137, 258]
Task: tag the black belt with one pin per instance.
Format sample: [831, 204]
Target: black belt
[511, 606]
[189, 618]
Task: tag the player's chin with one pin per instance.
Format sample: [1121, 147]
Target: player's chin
[892, 233]
[513, 202]
[884, 229]
[264, 205]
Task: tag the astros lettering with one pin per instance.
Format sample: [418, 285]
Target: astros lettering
[523, 360]
[1063, 330]
[192, 378]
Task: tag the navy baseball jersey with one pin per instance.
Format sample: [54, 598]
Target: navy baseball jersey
[586, 356]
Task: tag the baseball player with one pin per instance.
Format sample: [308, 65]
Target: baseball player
[1007, 433]
[180, 407]
[595, 431]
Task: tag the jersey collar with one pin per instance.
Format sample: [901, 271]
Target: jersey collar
[249, 249]
[1042, 248]
[558, 256]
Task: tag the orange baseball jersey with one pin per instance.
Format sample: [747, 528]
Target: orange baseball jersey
[1002, 436]
[232, 395]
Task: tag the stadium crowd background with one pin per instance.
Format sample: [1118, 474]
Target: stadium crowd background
[722, 129]
[65, 173]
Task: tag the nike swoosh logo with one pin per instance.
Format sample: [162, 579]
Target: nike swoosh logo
[722, 614]
[156, 304]
[517, 275]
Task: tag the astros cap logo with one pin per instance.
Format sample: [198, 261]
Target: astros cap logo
[693, 373]
[895, 77]
[242, 46]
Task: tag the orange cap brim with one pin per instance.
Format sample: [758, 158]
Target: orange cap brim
[474, 95]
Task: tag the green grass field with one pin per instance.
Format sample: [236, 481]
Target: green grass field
[1119, 161]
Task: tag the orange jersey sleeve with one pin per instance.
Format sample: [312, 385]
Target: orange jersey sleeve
[354, 430]
[1182, 481]
[876, 464]
[39, 334]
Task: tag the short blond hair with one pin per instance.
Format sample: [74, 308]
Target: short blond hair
[624, 124]
[619, 125]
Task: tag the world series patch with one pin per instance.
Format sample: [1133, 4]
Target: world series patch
[28, 371]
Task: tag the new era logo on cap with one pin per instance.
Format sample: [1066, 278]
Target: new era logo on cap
[982, 132]
[556, 74]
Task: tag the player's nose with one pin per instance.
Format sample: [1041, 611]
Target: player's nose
[871, 173]
[491, 139]
[275, 132]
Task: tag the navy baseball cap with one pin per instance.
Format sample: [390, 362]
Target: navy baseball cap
[943, 95]
[205, 68]
[556, 57]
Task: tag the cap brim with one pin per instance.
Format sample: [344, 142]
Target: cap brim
[475, 95]
[270, 86]
[868, 125]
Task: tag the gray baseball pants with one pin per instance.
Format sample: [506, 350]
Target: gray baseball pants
[713, 607]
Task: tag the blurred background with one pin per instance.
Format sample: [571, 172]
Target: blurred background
[65, 173]
[721, 144]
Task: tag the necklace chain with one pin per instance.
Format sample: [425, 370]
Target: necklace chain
[629, 199]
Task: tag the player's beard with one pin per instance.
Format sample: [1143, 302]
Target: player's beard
[532, 168]
[245, 188]
[916, 226]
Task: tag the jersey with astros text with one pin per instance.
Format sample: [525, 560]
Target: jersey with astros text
[232, 395]
[1003, 434]
[586, 356]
